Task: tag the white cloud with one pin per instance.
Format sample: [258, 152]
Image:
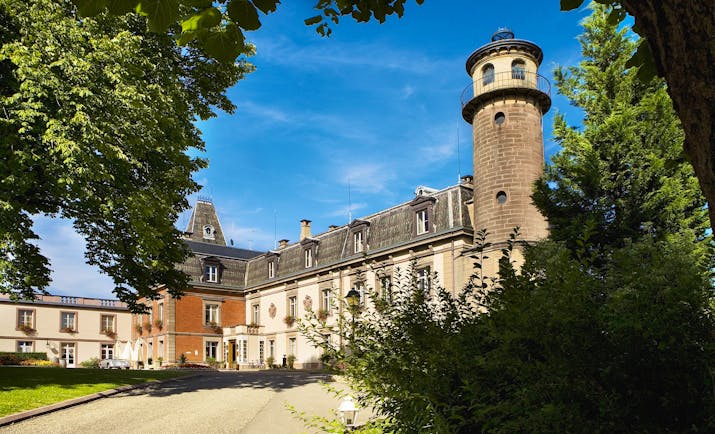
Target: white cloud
[65, 249]
[367, 177]
[347, 211]
[407, 91]
[266, 113]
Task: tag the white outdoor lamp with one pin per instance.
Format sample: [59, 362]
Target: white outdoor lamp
[348, 412]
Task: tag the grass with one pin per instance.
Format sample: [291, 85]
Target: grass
[27, 388]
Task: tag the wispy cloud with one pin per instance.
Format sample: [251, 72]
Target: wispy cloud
[267, 113]
[334, 54]
[347, 210]
[367, 177]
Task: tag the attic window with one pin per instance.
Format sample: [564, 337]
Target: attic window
[211, 273]
[209, 232]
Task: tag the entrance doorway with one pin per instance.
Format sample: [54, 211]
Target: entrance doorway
[68, 355]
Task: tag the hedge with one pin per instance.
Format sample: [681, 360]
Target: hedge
[16, 358]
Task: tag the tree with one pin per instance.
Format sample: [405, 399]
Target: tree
[621, 176]
[613, 332]
[97, 116]
[678, 46]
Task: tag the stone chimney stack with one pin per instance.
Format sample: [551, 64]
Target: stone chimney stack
[282, 243]
[332, 227]
[467, 179]
[304, 229]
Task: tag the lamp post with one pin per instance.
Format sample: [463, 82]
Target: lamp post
[353, 300]
[348, 412]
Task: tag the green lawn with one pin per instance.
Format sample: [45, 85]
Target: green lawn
[27, 388]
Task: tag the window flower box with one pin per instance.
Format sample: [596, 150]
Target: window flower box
[289, 320]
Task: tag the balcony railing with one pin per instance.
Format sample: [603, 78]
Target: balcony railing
[516, 79]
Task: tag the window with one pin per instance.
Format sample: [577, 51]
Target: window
[24, 346]
[209, 232]
[292, 346]
[499, 118]
[358, 242]
[422, 221]
[212, 350]
[308, 256]
[386, 287]
[160, 312]
[261, 351]
[211, 314]
[107, 351]
[501, 198]
[360, 287]
[256, 318]
[24, 318]
[325, 302]
[488, 74]
[272, 348]
[161, 347]
[293, 306]
[211, 273]
[67, 321]
[271, 269]
[424, 279]
[242, 350]
[107, 323]
[518, 69]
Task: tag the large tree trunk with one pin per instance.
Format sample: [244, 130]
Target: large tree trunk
[681, 35]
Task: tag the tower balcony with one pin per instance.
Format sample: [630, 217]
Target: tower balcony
[515, 83]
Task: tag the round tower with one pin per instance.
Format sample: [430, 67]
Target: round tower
[505, 104]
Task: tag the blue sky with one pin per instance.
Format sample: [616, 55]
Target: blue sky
[373, 107]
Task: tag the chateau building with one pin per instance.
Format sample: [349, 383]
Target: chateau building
[242, 305]
[68, 329]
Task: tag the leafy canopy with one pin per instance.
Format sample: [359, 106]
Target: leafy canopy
[218, 26]
[97, 117]
[620, 176]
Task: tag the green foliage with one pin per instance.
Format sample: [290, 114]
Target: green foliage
[290, 360]
[218, 26]
[92, 363]
[621, 176]
[98, 115]
[182, 358]
[642, 59]
[270, 361]
[7, 358]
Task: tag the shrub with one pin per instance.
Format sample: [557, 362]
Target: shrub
[16, 358]
[291, 360]
[270, 361]
[182, 359]
[39, 363]
[92, 363]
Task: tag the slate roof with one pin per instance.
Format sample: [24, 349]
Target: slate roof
[224, 251]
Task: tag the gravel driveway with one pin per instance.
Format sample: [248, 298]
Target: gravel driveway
[215, 402]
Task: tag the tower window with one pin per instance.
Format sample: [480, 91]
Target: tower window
[499, 118]
[518, 69]
[501, 198]
[209, 232]
[488, 74]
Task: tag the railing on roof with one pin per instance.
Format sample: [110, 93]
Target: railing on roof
[516, 79]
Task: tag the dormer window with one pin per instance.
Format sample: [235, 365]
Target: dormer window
[209, 232]
[422, 221]
[308, 257]
[271, 269]
[211, 273]
[310, 250]
[359, 233]
[423, 207]
[357, 242]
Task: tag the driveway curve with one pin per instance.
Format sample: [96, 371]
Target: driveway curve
[215, 402]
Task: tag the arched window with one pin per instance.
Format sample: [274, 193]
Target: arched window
[518, 69]
[488, 74]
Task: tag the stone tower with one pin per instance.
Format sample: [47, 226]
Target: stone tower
[505, 105]
[204, 225]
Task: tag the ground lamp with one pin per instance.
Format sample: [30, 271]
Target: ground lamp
[348, 412]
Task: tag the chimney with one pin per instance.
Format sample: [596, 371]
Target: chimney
[304, 229]
[282, 243]
[467, 179]
[332, 227]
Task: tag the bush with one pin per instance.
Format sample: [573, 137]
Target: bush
[16, 358]
[291, 360]
[92, 363]
[182, 359]
[39, 363]
[270, 361]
